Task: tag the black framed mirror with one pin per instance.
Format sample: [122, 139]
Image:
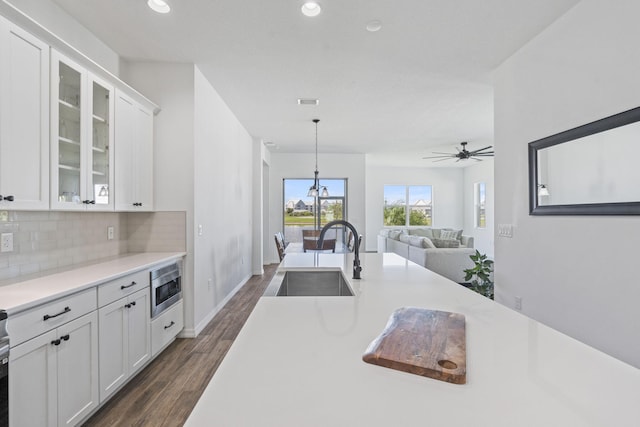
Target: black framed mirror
[593, 169]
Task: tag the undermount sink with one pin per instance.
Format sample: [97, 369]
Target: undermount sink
[309, 283]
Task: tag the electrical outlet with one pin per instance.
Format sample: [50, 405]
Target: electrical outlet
[110, 232]
[6, 242]
[505, 230]
[210, 283]
[200, 230]
[4, 216]
[518, 303]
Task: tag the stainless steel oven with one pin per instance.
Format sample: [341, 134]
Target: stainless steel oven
[166, 287]
[4, 370]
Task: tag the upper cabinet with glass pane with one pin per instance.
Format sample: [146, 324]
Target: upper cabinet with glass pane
[82, 137]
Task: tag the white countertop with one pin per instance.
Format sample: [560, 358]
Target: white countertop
[26, 294]
[298, 362]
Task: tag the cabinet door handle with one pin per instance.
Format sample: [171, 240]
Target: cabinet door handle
[65, 337]
[170, 325]
[127, 306]
[133, 303]
[55, 342]
[51, 316]
[7, 198]
[128, 286]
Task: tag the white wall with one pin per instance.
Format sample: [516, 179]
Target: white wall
[482, 237]
[577, 274]
[223, 194]
[55, 19]
[350, 166]
[448, 195]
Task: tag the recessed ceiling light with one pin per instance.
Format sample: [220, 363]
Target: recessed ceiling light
[311, 8]
[159, 6]
[373, 26]
[308, 101]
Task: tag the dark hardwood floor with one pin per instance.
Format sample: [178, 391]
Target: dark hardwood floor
[166, 391]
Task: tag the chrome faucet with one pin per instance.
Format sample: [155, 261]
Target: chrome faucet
[356, 251]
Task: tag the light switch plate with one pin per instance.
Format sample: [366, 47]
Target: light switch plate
[505, 230]
[110, 232]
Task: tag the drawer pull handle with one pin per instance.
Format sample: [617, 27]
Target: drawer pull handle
[51, 316]
[128, 286]
[170, 325]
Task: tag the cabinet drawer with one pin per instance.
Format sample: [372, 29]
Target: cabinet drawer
[31, 323]
[114, 290]
[165, 327]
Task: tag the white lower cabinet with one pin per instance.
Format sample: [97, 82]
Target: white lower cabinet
[165, 327]
[124, 340]
[54, 376]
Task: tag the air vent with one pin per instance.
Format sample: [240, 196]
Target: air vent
[308, 101]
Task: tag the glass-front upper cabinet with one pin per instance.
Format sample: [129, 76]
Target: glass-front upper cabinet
[82, 136]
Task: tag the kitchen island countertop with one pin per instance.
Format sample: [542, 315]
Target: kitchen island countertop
[298, 362]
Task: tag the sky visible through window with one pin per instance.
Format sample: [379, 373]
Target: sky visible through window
[398, 193]
[297, 189]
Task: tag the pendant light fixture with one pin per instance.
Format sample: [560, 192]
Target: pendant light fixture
[315, 189]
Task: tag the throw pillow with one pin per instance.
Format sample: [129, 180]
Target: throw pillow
[404, 238]
[450, 235]
[416, 241]
[424, 232]
[385, 232]
[427, 243]
[442, 243]
[395, 234]
[436, 233]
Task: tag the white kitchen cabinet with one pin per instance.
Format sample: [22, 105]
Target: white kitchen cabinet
[166, 327]
[24, 120]
[81, 138]
[54, 376]
[133, 155]
[125, 343]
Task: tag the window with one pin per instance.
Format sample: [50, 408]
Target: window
[479, 202]
[407, 205]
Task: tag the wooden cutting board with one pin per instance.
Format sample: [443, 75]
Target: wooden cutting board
[424, 342]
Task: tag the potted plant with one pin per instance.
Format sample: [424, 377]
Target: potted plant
[480, 274]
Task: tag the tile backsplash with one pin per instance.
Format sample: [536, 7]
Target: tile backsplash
[47, 240]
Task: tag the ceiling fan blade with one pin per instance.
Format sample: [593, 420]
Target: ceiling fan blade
[481, 149]
[489, 154]
[439, 157]
[448, 154]
[441, 160]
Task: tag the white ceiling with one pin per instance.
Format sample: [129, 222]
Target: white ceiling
[422, 81]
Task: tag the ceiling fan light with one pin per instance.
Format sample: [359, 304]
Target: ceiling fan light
[311, 9]
[159, 6]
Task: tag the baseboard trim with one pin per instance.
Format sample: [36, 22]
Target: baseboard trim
[192, 333]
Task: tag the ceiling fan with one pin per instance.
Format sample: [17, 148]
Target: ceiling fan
[463, 154]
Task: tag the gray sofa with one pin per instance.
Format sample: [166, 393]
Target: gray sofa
[415, 245]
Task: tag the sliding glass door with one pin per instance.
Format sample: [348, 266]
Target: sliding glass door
[303, 212]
